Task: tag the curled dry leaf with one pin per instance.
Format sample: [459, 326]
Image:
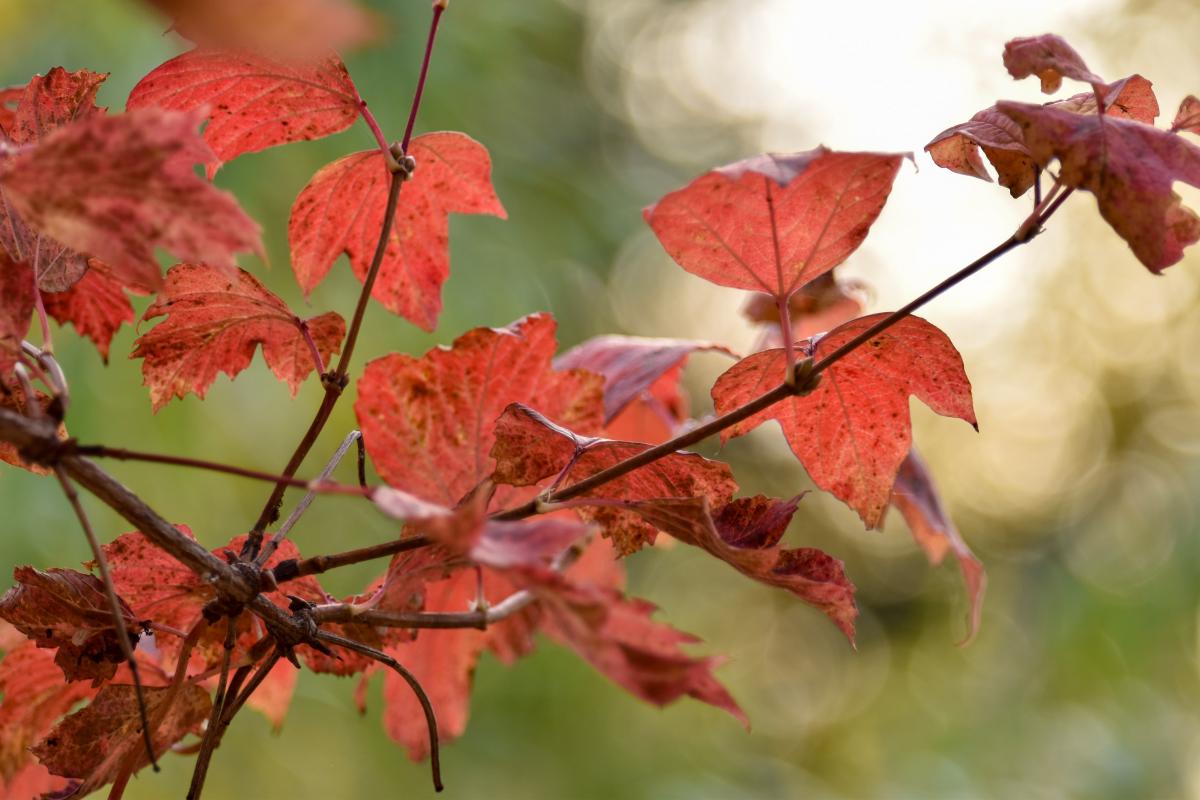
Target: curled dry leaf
[1050, 58]
[428, 423]
[917, 499]
[252, 102]
[117, 187]
[853, 431]
[69, 612]
[341, 210]
[1130, 167]
[774, 222]
[214, 323]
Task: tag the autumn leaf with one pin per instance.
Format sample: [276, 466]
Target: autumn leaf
[96, 305]
[95, 744]
[530, 448]
[215, 322]
[34, 696]
[10, 98]
[1188, 116]
[1128, 98]
[1050, 58]
[918, 501]
[853, 431]
[655, 415]
[252, 102]
[819, 306]
[288, 29]
[117, 187]
[342, 208]
[16, 308]
[774, 222]
[428, 423]
[46, 104]
[69, 611]
[630, 364]
[1130, 167]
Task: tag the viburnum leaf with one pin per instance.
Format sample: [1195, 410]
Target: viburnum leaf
[1129, 166]
[96, 305]
[69, 611]
[819, 306]
[16, 308]
[117, 187]
[47, 103]
[288, 29]
[341, 210]
[34, 696]
[214, 323]
[428, 422]
[1188, 116]
[1050, 58]
[104, 740]
[630, 364]
[853, 431]
[252, 102]
[774, 222]
[655, 415]
[1001, 140]
[530, 448]
[917, 499]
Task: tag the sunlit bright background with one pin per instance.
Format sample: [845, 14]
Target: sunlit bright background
[1079, 492]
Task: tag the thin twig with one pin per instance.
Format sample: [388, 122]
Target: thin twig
[208, 744]
[114, 605]
[430, 718]
[292, 569]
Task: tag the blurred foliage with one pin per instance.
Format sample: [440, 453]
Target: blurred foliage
[1080, 493]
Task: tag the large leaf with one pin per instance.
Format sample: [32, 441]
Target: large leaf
[341, 210]
[853, 431]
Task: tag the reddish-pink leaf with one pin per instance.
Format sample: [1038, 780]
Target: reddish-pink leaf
[288, 29]
[47, 103]
[918, 501]
[530, 448]
[1130, 167]
[428, 423]
[215, 321]
[96, 305]
[1129, 98]
[957, 149]
[69, 611]
[656, 414]
[118, 187]
[252, 102]
[819, 306]
[342, 209]
[1050, 58]
[34, 695]
[774, 222]
[10, 98]
[95, 744]
[630, 364]
[16, 308]
[853, 431]
[1188, 116]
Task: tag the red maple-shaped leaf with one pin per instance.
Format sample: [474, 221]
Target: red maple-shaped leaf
[96, 305]
[341, 210]
[1188, 116]
[252, 102]
[117, 187]
[47, 103]
[103, 741]
[428, 422]
[917, 499]
[630, 364]
[1129, 166]
[853, 431]
[774, 222]
[287, 29]
[34, 696]
[1050, 58]
[68, 611]
[530, 448]
[214, 323]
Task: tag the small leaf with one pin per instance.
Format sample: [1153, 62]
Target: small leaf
[1188, 116]
[853, 431]
[252, 102]
[341, 210]
[1050, 58]
[214, 324]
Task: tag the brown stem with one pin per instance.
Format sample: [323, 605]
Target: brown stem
[212, 733]
[114, 605]
[438, 10]
[292, 569]
[430, 718]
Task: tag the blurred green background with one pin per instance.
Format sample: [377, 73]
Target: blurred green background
[1080, 492]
